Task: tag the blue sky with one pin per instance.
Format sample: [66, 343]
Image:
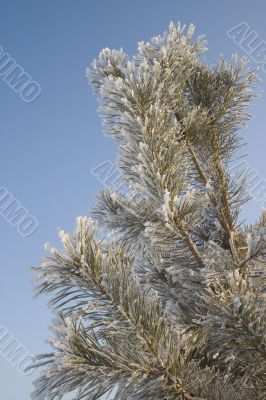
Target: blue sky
[49, 146]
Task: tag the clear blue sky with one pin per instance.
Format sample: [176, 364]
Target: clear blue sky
[49, 146]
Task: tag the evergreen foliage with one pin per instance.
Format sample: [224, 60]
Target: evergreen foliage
[172, 304]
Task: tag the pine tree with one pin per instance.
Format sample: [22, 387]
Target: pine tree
[171, 305]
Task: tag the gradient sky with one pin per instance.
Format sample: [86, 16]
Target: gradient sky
[48, 147]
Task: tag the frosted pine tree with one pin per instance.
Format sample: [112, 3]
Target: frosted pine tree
[171, 305]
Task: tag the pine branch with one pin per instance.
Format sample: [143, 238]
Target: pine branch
[172, 304]
[224, 212]
[108, 277]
